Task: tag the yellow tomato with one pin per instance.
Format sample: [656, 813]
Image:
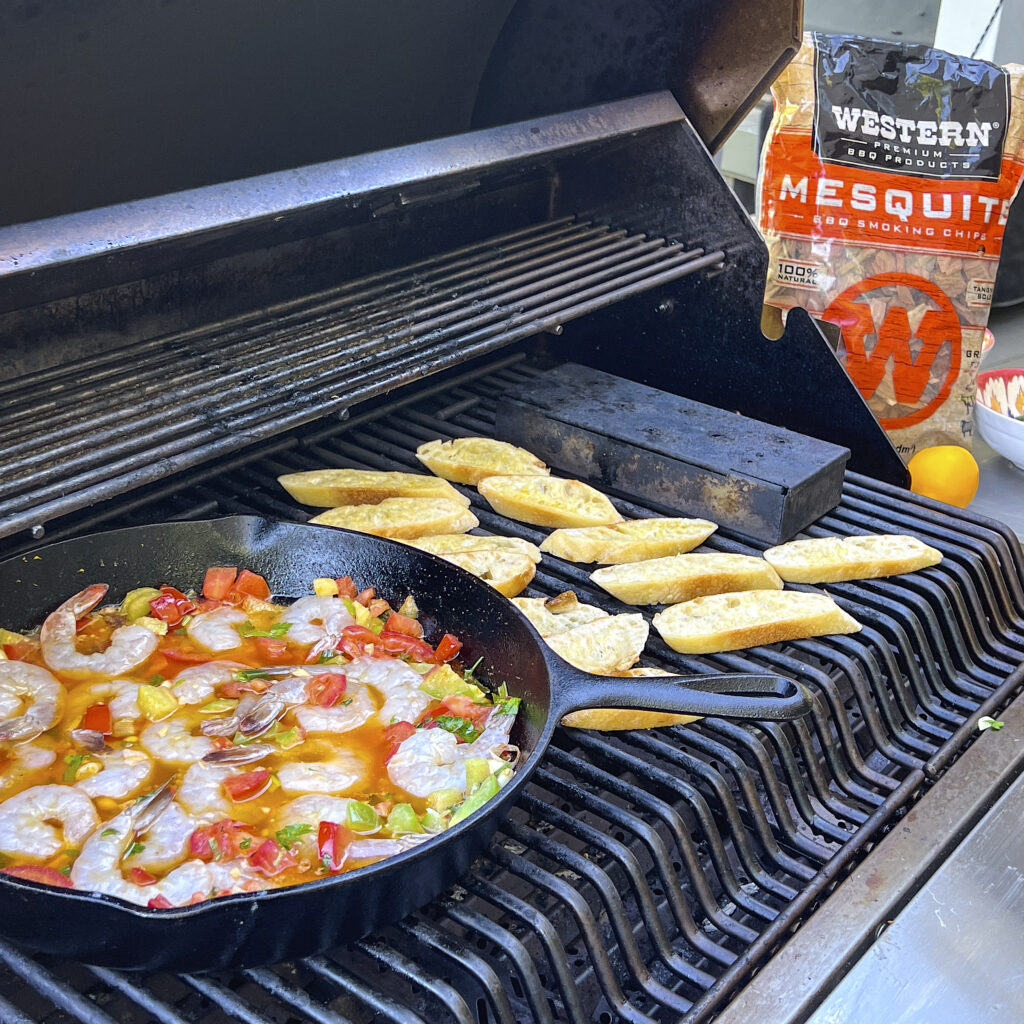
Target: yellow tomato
[946, 473]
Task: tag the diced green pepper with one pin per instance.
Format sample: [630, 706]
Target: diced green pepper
[136, 602]
[433, 821]
[477, 769]
[361, 817]
[446, 682]
[476, 799]
[219, 706]
[362, 615]
[156, 703]
[403, 819]
[442, 799]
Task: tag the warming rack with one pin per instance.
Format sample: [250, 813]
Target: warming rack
[644, 876]
[120, 418]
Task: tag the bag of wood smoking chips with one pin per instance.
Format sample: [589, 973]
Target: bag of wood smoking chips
[885, 184]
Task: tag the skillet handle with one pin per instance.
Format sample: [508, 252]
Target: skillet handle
[739, 695]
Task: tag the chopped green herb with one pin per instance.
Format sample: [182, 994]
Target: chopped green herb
[247, 675]
[292, 834]
[215, 848]
[468, 674]
[109, 832]
[461, 727]
[66, 870]
[276, 631]
[185, 620]
[134, 849]
[73, 762]
[503, 691]
[985, 722]
[326, 657]
[180, 631]
[156, 680]
[508, 706]
[245, 843]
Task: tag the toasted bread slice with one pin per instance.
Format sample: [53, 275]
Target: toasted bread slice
[402, 518]
[507, 571]
[617, 719]
[730, 622]
[684, 577]
[834, 559]
[446, 543]
[468, 460]
[609, 644]
[554, 615]
[548, 501]
[329, 488]
[632, 541]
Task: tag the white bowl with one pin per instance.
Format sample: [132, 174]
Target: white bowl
[1000, 430]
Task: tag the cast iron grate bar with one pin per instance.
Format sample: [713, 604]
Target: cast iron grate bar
[643, 876]
[111, 423]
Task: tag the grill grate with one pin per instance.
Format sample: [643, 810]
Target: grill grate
[644, 875]
[81, 433]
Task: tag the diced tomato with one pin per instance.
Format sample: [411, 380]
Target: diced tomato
[247, 785]
[346, 587]
[272, 649]
[448, 647]
[332, 842]
[218, 582]
[97, 718]
[20, 650]
[220, 841]
[160, 903]
[327, 689]
[141, 877]
[398, 623]
[185, 657]
[457, 706]
[399, 643]
[396, 734]
[37, 873]
[364, 597]
[270, 858]
[234, 688]
[171, 606]
[252, 584]
[378, 606]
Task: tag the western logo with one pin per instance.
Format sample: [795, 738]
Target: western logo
[915, 352]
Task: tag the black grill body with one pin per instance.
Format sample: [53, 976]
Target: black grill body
[169, 359]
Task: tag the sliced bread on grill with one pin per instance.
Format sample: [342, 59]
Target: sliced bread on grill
[507, 571]
[632, 541]
[402, 518]
[683, 577]
[609, 644]
[558, 614]
[548, 501]
[329, 488]
[731, 622]
[834, 559]
[446, 543]
[468, 460]
[616, 719]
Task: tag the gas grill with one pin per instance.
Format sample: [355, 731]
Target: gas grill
[172, 357]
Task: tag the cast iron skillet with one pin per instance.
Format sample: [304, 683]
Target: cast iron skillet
[258, 928]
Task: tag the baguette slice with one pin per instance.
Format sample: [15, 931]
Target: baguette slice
[507, 571]
[615, 719]
[548, 501]
[834, 559]
[402, 518]
[549, 617]
[731, 622]
[632, 541]
[446, 543]
[609, 644]
[684, 577]
[329, 488]
[468, 460]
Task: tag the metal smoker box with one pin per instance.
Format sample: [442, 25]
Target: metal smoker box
[765, 482]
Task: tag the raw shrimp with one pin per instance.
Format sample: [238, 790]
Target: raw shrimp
[129, 646]
[215, 630]
[201, 792]
[312, 618]
[198, 683]
[311, 810]
[26, 828]
[377, 849]
[19, 759]
[173, 743]
[100, 864]
[120, 695]
[124, 773]
[433, 759]
[21, 683]
[334, 774]
[356, 707]
[404, 701]
[165, 844]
